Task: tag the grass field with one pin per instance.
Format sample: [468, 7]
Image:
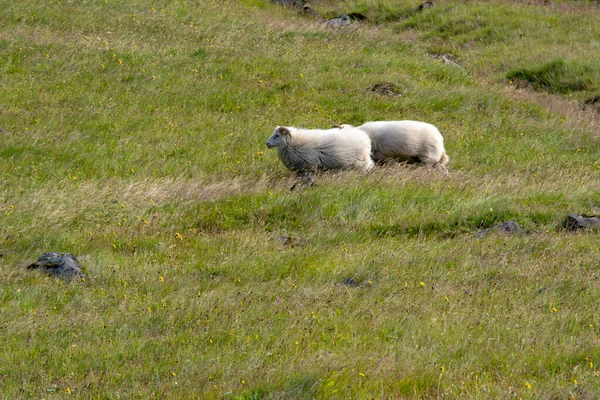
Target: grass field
[132, 134]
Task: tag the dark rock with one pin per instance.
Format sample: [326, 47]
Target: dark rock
[593, 103]
[291, 241]
[60, 265]
[350, 282]
[342, 20]
[592, 100]
[507, 227]
[384, 88]
[544, 289]
[309, 11]
[576, 222]
[358, 17]
[427, 4]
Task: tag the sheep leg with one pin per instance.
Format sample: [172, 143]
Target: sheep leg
[303, 179]
[441, 168]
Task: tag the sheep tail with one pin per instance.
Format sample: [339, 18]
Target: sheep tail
[444, 160]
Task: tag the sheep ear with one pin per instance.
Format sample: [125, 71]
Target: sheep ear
[284, 131]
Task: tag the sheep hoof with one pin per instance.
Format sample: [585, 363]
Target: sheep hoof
[442, 169]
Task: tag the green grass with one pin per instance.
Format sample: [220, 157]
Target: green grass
[553, 77]
[133, 135]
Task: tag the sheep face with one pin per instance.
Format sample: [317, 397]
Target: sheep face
[280, 135]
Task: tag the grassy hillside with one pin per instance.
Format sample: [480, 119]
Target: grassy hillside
[132, 134]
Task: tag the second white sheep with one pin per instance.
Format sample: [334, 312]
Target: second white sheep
[412, 141]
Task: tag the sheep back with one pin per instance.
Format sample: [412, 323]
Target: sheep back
[406, 140]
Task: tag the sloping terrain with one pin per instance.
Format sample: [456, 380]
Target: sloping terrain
[132, 135]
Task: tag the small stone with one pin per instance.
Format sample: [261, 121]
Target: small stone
[592, 100]
[291, 241]
[507, 227]
[310, 12]
[384, 88]
[427, 4]
[593, 103]
[60, 265]
[358, 17]
[544, 289]
[450, 60]
[350, 282]
[342, 20]
[576, 222]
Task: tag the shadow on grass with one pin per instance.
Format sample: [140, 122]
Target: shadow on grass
[555, 77]
[245, 211]
[453, 226]
[301, 387]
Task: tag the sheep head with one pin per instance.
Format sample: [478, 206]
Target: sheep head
[280, 135]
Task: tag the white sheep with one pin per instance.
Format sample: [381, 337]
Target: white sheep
[411, 141]
[310, 150]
